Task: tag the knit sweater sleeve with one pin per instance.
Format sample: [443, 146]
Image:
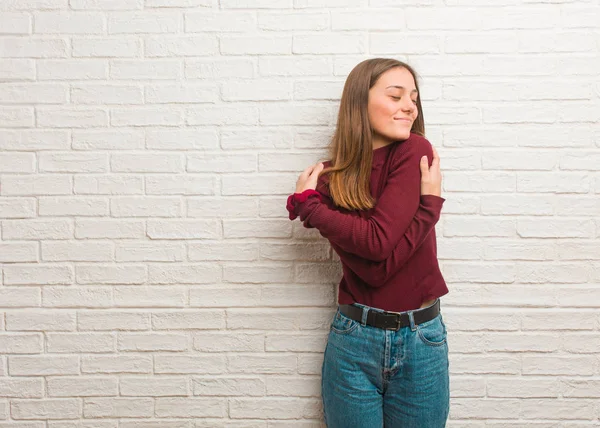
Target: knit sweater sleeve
[377, 274]
[375, 238]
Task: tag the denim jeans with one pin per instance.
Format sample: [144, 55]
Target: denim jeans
[373, 378]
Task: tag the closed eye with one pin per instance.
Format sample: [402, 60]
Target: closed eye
[399, 98]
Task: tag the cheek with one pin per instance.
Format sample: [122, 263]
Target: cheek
[381, 113]
[388, 109]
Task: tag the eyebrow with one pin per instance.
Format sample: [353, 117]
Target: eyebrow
[402, 87]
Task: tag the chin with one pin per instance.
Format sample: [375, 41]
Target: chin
[399, 136]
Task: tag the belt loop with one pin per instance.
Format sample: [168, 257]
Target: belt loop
[411, 319]
[365, 312]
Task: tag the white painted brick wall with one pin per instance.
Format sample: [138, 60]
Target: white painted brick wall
[150, 276]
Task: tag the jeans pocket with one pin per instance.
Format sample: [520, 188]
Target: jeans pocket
[342, 324]
[433, 332]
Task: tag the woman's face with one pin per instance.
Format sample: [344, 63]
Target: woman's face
[392, 106]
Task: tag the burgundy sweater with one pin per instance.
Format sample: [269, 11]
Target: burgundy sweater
[388, 253]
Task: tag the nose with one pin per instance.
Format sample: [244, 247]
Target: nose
[407, 105]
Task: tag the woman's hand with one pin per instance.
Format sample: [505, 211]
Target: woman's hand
[431, 178]
[308, 178]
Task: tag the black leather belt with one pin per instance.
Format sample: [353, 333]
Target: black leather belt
[391, 320]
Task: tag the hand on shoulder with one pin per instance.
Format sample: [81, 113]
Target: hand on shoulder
[309, 177]
[431, 175]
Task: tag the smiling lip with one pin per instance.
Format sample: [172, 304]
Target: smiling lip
[402, 118]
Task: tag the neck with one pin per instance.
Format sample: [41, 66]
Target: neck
[380, 141]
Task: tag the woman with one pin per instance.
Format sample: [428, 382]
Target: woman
[377, 201]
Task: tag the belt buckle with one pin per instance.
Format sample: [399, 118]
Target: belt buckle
[398, 322]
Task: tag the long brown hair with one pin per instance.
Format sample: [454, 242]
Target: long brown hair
[351, 148]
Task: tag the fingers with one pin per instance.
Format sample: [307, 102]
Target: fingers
[436, 158]
[310, 170]
[424, 166]
[307, 172]
[314, 175]
[317, 168]
[309, 177]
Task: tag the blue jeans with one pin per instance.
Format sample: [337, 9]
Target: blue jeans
[373, 378]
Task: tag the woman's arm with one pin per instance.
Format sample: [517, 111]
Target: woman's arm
[376, 237]
[377, 274]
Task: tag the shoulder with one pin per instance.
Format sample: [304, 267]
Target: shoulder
[414, 147]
